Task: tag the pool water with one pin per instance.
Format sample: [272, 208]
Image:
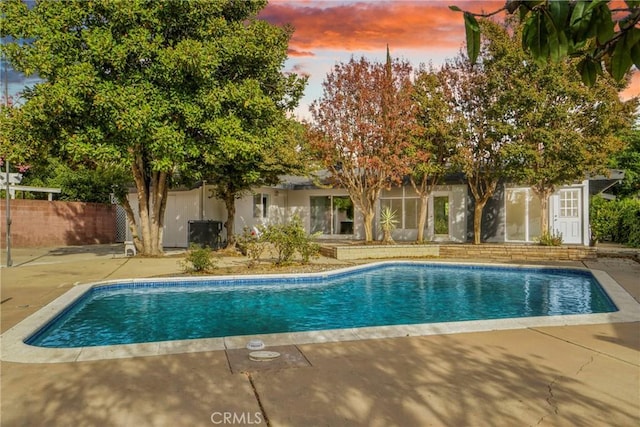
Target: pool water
[387, 294]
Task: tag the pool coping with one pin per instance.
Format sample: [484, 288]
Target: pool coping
[13, 348]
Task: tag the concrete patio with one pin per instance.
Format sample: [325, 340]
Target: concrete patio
[556, 376]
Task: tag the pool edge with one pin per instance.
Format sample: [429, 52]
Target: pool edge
[14, 349]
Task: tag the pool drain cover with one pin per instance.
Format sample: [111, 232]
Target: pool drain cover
[263, 356]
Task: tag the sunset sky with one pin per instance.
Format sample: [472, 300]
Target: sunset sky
[328, 32]
[331, 31]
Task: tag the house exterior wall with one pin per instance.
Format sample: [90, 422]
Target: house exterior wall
[182, 207]
[213, 208]
[494, 218]
[282, 204]
[249, 215]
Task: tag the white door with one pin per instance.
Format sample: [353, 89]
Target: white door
[567, 215]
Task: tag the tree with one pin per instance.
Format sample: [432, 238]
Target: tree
[270, 154]
[598, 32]
[564, 131]
[361, 129]
[143, 85]
[483, 95]
[545, 128]
[80, 183]
[433, 145]
[628, 159]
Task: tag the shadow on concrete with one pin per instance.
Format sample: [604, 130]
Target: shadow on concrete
[99, 250]
[181, 390]
[437, 381]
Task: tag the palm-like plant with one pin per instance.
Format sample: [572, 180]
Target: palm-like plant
[388, 223]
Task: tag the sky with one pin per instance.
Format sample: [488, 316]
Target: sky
[328, 32]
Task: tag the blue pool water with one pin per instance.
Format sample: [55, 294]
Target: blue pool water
[387, 294]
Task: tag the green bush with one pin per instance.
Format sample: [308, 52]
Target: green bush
[289, 238]
[628, 231]
[252, 244]
[309, 249]
[550, 239]
[615, 221]
[198, 260]
[603, 219]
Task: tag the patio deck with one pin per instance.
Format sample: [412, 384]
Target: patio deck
[567, 375]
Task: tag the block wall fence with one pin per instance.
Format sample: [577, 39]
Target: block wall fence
[36, 223]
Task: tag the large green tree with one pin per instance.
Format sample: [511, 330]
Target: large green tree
[155, 86]
[483, 95]
[266, 154]
[433, 144]
[566, 131]
[628, 159]
[535, 123]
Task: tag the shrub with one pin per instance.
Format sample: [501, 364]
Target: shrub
[550, 239]
[615, 220]
[603, 219]
[388, 223]
[252, 245]
[628, 231]
[289, 238]
[284, 239]
[198, 260]
[308, 248]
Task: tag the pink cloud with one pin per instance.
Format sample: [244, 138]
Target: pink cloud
[370, 25]
[294, 52]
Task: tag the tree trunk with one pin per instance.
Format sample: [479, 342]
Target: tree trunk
[142, 189]
[131, 222]
[158, 204]
[230, 205]
[544, 215]
[367, 218]
[152, 202]
[477, 220]
[544, 194]
[422, 219]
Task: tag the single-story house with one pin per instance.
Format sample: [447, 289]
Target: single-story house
[511, 215]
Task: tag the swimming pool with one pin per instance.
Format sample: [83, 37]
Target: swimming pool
[376, 295]
[14, 349]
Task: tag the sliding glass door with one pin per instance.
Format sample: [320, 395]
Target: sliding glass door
[331, 215]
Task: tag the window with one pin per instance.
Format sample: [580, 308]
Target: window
[441, 214]
[260, 205]
[522, 215]
[331, 214]
[569, 200]
[406, 208]
[411, 213]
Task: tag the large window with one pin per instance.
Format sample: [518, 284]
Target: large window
[260, 205]
[522, 208]
[331, 214]
[441, 215]
[405, 203]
